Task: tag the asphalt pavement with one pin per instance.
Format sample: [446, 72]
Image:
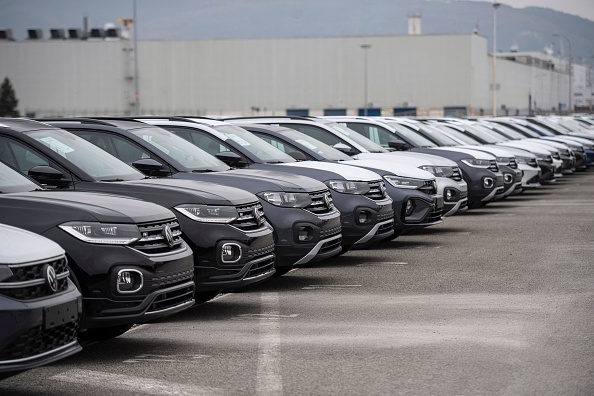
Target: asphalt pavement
[498, 301]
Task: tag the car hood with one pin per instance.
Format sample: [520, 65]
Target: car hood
[172, 192]
[59, 206]
[472, 153]
[342, 169]
[386, 167]
[408, 158]
[258, 180]
[532, 147]
[18, 246]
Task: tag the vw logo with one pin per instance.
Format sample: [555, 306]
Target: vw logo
[258, 215]
[328, 200]
[168, 235]
[51, 280]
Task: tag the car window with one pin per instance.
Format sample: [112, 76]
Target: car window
[204, 140]
[115, 145]
[316, 133]
[20, 156]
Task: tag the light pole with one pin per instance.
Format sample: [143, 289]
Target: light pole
[494, 61]
[136, 82]
[365, 48]
[569, 102]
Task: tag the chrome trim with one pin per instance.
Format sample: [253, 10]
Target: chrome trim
[51, 352]
[314, 251]
[373, 231]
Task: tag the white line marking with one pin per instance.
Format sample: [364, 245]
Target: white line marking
[383, 264]
[127, 383]
[165, 358]
[336, 287]
[269, 378]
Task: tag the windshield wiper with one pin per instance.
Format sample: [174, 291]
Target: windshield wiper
[275, 162]
[112, 180]
[202, 170]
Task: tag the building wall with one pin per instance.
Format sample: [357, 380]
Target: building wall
[264, 76]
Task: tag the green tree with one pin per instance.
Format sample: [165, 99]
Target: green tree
[8, 100]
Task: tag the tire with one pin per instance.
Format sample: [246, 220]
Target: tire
[103, 333]
[203, 296]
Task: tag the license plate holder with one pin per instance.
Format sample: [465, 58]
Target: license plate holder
[60, 314]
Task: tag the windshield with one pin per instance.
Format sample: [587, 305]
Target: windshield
[97, 163]
[556, 127]
[526, 131]
[438, 136]
[12, 181]
[182, 151]
[457, 134]
[412, 135]
[507, 131]
[256, 146]
[321, 148]
[483, 133]
[367, 144]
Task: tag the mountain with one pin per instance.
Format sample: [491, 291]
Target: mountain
[530, 29]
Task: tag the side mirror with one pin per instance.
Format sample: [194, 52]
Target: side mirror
[150, 167]
[298, 155]
[232, 159]
[46, 175]
[398, 144]
[344, 148]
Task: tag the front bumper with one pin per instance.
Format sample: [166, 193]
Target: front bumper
[40, 331]
[323, 239]
[455, 195]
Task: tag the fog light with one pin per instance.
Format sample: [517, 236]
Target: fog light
[450, 194]
[304, 233]
[230, 253]
[508, 178]
[410, 207]
[488, 182]
[364, 217]
[129, 281]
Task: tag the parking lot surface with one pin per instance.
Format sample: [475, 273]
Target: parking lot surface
[498, 301]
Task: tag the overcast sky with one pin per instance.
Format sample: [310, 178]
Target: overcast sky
[583, 8]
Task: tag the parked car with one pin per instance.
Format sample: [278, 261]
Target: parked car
[418, 209]
[366, 211]
[125, 256]
[224, 226]
[39, 306]
[400, 179]
[305, 223]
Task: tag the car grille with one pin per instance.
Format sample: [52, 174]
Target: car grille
[153, 239]
[172, 298]
[171, 278]
[435, 215]
[330, 246]
[251, 217]
[261, 266]
[499, 181]
[493, 167]
[513, 164]
[39, 340]
[457, 175]
[556, 156]
[377, 191]
[429, 187]
[28, 280]
[321, 202]
[330, 232]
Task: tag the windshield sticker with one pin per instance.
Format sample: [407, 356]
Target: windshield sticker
[57, 146]
[307, 144]
[238, 139]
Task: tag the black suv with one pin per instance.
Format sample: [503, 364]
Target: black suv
[360, 195]
[306, 224]
[34, 287]
[126, 256]
[225, 227]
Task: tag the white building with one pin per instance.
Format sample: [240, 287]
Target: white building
[425, 74]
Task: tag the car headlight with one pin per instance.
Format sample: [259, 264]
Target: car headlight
[404, 182]
[439, 171]
[545, 158]
[503, 160]
[209, 213]
[349, 187]
[287, 200]
[109, 234]
[477, 163]
[522, 160]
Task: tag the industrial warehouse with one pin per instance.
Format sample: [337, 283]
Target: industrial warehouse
[107, 72]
